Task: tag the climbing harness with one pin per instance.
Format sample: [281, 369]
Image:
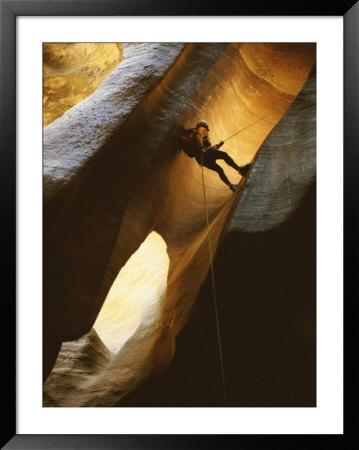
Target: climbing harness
[211, 253]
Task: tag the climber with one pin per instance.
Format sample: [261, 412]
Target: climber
[195, 143]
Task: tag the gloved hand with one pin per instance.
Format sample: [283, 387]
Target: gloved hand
[220, 144]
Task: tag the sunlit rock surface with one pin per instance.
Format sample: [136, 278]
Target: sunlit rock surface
[72, 72]
[140, 286]
[113, 174]
[284, 168]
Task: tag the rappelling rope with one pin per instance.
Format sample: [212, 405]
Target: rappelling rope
[211, 252]
[214, 290]
[258, 120]
[251, 124]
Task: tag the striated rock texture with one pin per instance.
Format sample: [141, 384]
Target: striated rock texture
[284, 168]
[113, 175]
[72, 72]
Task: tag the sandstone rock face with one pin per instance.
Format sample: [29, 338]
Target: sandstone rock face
[284, 168]
[113, 175]
[72, 72]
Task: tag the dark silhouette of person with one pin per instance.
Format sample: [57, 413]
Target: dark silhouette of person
[196, 143]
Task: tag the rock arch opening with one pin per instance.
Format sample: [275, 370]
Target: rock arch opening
[136, 295]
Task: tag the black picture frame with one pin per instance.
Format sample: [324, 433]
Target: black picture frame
[10, 9]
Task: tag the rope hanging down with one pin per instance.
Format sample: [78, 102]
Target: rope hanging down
[214, 290]
[211, 254]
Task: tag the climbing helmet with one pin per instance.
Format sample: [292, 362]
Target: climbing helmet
[203, 123]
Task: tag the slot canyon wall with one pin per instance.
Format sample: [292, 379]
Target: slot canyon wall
[72, 72]
[121, 200]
